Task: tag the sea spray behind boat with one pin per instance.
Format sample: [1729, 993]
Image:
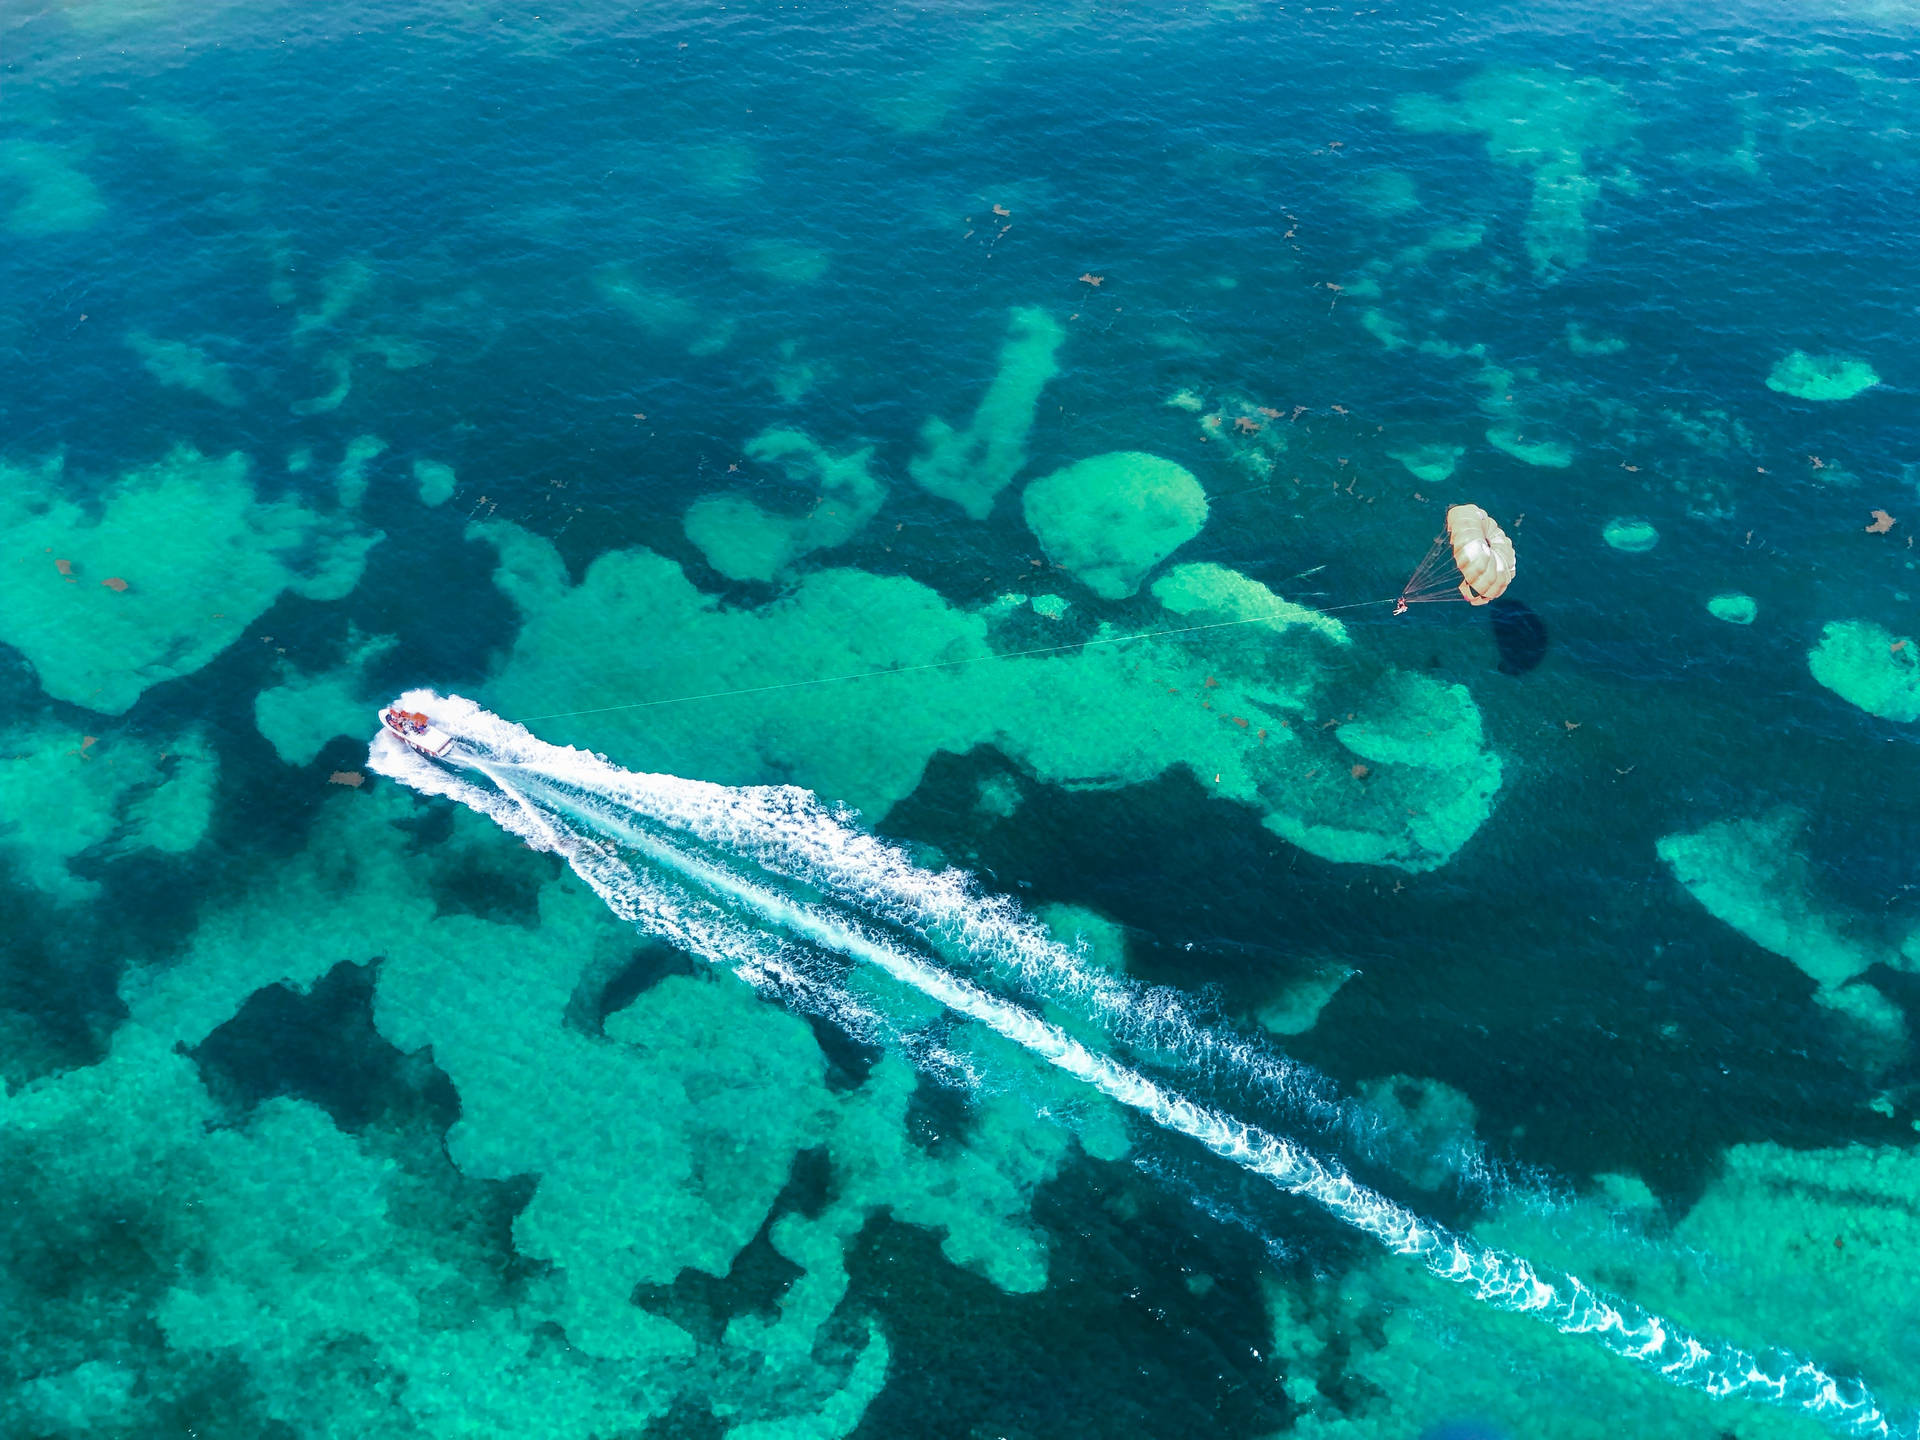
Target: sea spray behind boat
[729, 908]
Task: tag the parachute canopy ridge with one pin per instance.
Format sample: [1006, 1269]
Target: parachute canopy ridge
[1482, 551]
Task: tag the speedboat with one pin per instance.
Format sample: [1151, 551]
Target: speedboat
[417, 730]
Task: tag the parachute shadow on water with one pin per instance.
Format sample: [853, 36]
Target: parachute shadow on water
[1518, 634]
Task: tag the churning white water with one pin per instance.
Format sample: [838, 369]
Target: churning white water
[768, 882]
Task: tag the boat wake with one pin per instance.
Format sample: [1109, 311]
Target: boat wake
[786, 893]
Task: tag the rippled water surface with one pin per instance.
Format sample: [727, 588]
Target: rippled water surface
[1014, 424]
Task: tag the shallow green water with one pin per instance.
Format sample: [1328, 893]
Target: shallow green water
[631, 373]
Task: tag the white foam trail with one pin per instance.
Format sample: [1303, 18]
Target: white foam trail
[697, 926]
[1502, 1281]
[786, 830]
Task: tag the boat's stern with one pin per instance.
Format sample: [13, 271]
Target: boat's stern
[417, 730]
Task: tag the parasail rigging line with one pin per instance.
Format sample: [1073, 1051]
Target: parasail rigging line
[1474, 544]
[949, 664]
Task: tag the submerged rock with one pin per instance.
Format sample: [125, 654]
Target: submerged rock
[182, 366]
[1234, 705]
[744, 541]
[1422, 1128]
[971, 467]
[305, 711]
[1533, 449]
[436, 481]
[1821, 377]
[63, 795]
[1751, 875]
[1296, 1009]
[1867, 666]
[50, 196]
[1632, 536]
[1734, 608]
[1549, 124]
[202, 557]
[1110, 519]
[1432, 463]
[691, 1104]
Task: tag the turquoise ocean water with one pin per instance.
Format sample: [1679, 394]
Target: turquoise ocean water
[663, 378]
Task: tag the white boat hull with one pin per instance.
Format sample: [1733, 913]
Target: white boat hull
[430, 740]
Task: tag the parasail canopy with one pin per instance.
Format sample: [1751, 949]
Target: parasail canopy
[1482, 551]
[1474, 561]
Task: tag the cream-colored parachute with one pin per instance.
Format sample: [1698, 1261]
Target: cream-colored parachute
[1473, 561]
[1482, 551]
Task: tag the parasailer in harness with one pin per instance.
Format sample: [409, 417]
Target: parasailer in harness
[1473, 561]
